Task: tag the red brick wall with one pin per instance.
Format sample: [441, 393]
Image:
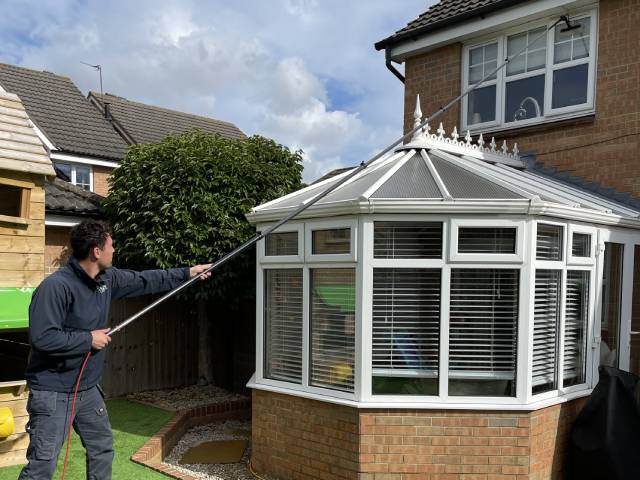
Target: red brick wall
[299, 439]
[56, 248]
[603, 148]
[101, 180]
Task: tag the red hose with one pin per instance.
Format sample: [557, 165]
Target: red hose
[73, 408]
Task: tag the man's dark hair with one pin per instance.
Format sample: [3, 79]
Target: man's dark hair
[87, 235]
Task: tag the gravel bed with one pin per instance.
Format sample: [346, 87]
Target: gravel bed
[228, 430]
[177, 399]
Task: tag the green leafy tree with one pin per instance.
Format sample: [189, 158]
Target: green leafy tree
[183, 202]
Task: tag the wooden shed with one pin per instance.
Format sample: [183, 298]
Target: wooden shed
[24, 164]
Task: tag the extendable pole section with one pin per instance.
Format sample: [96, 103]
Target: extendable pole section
[326, 192]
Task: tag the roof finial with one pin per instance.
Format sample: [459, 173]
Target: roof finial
[480, 141]
[468, 138]
[505, 149]
[417, 118]
[441, 131]
[493, 144]
[516, 151]
[455, 134]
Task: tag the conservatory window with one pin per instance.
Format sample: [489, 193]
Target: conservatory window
[283, 324]
[406, 331]
[331, 242]
[553, 76]
[549, 242]
[575, 328]
[483, 332]
[281, 244]
[546, 321]
[486, 240]
[407, 240]
[332, 328]
[581, 245]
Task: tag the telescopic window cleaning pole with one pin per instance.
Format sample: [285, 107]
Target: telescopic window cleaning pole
[342, 181]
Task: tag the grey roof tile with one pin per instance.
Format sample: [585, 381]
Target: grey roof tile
[141, 123]
[64, 198]
[412, 180]
[62, 112]
[445, 13]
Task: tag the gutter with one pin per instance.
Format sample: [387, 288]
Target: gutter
[392, 69]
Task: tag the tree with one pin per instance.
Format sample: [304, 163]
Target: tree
[183, 201]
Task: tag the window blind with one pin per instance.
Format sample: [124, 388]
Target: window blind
[407, 240]
[283, 243]
[332, 327]
[575, 327]
[549, 242]
[486, 240]
[546, 318]
[283, 324]
[483, 331]
[406, 320]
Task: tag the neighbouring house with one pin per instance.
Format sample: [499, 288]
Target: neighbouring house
[24, 166]
[444, 313]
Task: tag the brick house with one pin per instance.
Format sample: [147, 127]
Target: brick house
[383, 349]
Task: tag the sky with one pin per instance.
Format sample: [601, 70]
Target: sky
[303, 72]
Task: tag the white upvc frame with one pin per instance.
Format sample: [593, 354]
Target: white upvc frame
[585, 230]
[337, 223]
[262, 245]
[550, 264]
[456, 223]
[74, 166]
[67, 158]
[548, 114]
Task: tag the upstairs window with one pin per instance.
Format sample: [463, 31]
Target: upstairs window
[551, 77]
[78, 175]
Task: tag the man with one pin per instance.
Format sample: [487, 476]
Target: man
[68, 318]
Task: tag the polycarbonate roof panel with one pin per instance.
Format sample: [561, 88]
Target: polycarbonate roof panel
[412, 180]
[297, 199]
[464, 184]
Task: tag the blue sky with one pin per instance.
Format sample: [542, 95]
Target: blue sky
[303, 72]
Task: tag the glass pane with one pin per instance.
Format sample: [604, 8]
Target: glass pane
[580, 48]
[517, 65]
[538, 39]
[581, 245]
[611, 304]
[483, 61]
[634, 362]
[490, 52]
[575, 328]
[490, 67]
[65, 168]
[570, 86]
[284, 243]
[476, 56]
[332, 325]
[83, 177]
[524, 99]
[10, 200]
[407, 240]
[334, 241]
[546, 319]
[486, 240]
[536, 60]
[283, 325]
[562, 52]
[406, 331]
[475, 74]
[573, 44]
[483, 332]
[533, 57]
[549, 242]
[482, 105]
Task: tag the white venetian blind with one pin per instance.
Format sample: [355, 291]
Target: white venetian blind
[406, 321]
[483, 324]
[575, 327]
[546, 318]
[332, 325]
[407, 240]
[486, 240]
[283, 324]
[549, 242]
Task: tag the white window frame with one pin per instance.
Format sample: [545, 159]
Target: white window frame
[262, 246]
[585, 230]
[457, 223]
[549, 114]
[73, 172]
[338, 223]
[550, 264]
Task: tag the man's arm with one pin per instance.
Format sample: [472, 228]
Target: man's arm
[128, 283]
[47, 312]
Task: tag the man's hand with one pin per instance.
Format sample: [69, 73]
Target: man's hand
[100, 339]
[198, 269]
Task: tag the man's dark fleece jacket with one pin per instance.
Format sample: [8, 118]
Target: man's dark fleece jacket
[67, 306]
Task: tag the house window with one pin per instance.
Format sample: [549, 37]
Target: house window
[281, 244]
[486, 240]
[332, 328]
[12, 201]
[483, 329]
[554, 75]
[406, 331]
[283, 324]
[78, 175]
[394, 240]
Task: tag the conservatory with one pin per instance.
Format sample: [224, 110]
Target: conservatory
[447, 279]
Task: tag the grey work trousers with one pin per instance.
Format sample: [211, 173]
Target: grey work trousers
[48, 423]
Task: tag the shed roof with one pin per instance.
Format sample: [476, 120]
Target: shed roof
[64, 198]
[437, 173]
[62, 112]
[20, 148]
[140, 123]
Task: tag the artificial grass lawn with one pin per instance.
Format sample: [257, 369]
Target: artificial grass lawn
[132, 425]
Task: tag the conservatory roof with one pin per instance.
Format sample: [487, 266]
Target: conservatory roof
[439, 173]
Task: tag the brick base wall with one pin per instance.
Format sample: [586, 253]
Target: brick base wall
[301, 439]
